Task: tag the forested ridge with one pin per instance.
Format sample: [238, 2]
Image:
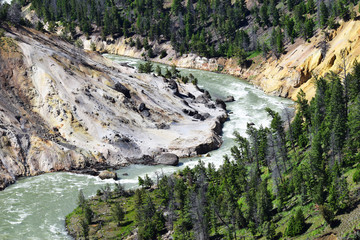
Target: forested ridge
[208, 28]
[296, 178]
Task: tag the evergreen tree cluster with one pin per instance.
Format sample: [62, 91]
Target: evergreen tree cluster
[271, 173]
[210, 28]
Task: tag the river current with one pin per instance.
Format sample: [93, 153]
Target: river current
[35, 207]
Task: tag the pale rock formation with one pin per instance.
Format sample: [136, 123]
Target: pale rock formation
[62, 109]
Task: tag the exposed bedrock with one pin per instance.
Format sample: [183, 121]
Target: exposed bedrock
[62, 109]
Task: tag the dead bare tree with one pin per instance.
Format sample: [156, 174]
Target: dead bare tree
[198, 203]
[273, 161]
[291, 137]
[324, 46]
[172, 202]
[106, 191]
[253, 38]
[14, 13]
[344, 67]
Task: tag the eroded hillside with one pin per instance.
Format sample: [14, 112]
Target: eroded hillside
[64, 109]
[284, 77]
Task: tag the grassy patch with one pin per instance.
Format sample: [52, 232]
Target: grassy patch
[103, 224]
[254, 54]
[8, 44]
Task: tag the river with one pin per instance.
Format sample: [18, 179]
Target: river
[35, 207]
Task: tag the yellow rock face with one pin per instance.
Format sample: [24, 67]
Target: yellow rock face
[304, 60]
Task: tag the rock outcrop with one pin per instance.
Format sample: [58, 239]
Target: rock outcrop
[62, 109]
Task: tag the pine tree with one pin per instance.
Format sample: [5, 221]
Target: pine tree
[289, 28]
[299, 222]
[279, 42]
[264, 15]
[88, 213]
[148, 182]
[176, 7]
[310, 7]
[85, 228]
[324, 14]
[309, 28]
[354, 124]
[264, 204]
[81, 199]
[290, 229]
[296, 224]
[118, 213]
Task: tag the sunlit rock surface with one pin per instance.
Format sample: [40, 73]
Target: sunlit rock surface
[64, 109]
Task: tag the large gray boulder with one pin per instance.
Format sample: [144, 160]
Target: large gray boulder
[108, 175]
[167, 159]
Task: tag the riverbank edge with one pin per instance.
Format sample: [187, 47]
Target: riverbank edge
[297, 69]
[221, 65]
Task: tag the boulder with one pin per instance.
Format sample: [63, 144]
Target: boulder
[142, 107]
[191, 96]
[190, 112]
[201, 99]
[173, 85]
[121, 88]
[108, 175]
[220, 103]
[229, 99]
[146, 113]
[207, 95]
[210, 105]
[198, 116]
[167, 159]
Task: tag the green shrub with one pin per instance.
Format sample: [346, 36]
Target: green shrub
[132, 43]
[163, 54]
[158, 70]
[51, 27]
[356, 176]
[2, 32]
[40, 26]
[146, 67]
[150, 53]
[168, 73]
[185, 79]
[98, 192]
[194, 81]
[138, 44]
[93, 46]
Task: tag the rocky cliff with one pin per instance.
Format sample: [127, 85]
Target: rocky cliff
[283, 77]
[62, 109]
